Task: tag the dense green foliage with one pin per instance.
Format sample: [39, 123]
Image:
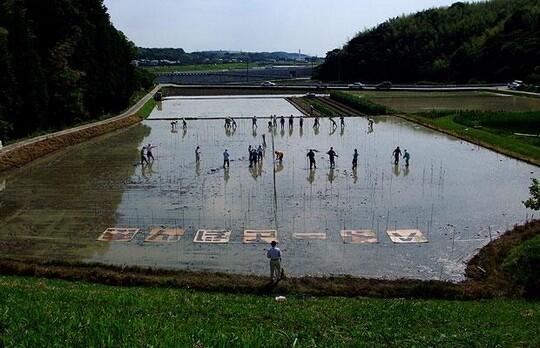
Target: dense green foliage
[523, 263]
[491, 41]
[359, 103]
[61, 62]
[47, 313]
[534, 190]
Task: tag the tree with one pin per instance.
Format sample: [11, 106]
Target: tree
[534, 201]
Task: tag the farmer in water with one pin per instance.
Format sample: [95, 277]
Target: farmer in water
[355, 159]
[143, 158]
[226, 159]
[342, 119]
[198, 154]
[291, 120]
[332, 154]
[406, 157]
[279, 155]
[397, 155]
[254, 121]
[149, 154]
[311, 156]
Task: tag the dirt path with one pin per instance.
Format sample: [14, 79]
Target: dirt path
[20, 153]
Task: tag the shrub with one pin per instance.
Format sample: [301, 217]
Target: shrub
[523, 263]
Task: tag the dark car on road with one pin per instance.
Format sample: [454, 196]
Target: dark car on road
[384, 86]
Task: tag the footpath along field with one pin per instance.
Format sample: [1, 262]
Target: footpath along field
[36, 312]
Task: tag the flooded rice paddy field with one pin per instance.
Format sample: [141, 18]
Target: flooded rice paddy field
[457, 194]
[426, 101]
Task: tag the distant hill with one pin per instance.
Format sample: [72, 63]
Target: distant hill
[179, 56]
[492, 41]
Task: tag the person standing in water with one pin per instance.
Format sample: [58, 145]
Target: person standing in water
[282, 121]
[198, 154]
[291, 120]
[370, 123]
[226, 159]
[334, 124]
[279, 155]
[311, 156]
[342, 120]
[302, 121]
[143, 158]
[149, 154]
[184, 123]
[406, 157]
[254, 121]
[397, 155]
[355, 159]
[332, 154]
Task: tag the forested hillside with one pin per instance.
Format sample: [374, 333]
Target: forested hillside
[61, 62]
[492, 41]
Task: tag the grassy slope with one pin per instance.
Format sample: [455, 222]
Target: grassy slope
[503, 142]
[36, 312]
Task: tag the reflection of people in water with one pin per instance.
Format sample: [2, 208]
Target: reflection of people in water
[331, 175]
[332, 131]
[147, 171]
[355, 159]
[254, 133]
[198, 168]
[311, 176]
[342, 131]
[406, 171]
[354, 175]
[279, 167]
[282, 132]
[301, 132]
[226, 175]
[317, 130]
[397, 170]
[184, 132]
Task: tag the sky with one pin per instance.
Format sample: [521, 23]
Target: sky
[312, 26]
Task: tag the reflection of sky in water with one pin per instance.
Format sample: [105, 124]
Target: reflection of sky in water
[456, 193]
[209, 107]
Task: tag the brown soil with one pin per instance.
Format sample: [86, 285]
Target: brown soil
[485, 279]
[26, 153]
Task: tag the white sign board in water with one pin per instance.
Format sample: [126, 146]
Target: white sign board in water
[212, 236]
[164, 234]
[406, 236]
[259, 236]
[118, 234]
[310, 235]
[358, 236]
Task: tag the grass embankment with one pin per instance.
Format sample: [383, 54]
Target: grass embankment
[199, 67]
[36, 312]
[146, 109]
[494, 130]
[360, 103]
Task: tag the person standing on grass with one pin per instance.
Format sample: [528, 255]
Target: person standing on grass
[406, 157]
[274, 254]
[225, 159]
[397, 155]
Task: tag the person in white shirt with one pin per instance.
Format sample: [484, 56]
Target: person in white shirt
[274, 254]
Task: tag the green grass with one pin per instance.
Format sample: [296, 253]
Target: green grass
[48, 313]
[500, 139]
[199, 67]
[147, 108]
[360, 103]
